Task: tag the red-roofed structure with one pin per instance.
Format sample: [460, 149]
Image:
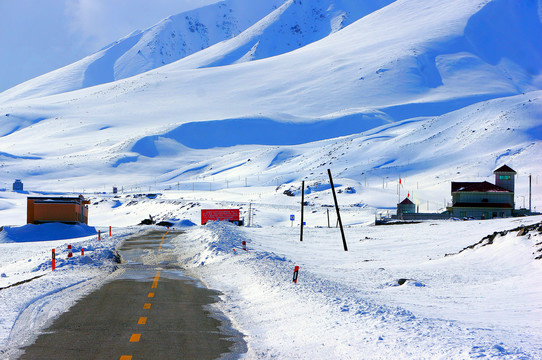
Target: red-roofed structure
[484, 200]
[405, 207]
[505, 168]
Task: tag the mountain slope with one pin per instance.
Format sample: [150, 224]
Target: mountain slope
[257, 29]
[386, 67]
[167, 41]
[291, 26]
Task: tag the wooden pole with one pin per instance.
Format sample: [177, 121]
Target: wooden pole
[337, 208]
[302, 206]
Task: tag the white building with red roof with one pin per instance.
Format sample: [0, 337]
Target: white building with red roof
[484, 200]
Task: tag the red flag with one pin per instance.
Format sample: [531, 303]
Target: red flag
[399, 180]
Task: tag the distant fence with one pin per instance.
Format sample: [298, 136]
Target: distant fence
[422, 216]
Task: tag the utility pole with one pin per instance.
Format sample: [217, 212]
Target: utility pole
[530, 182]
[337, 208]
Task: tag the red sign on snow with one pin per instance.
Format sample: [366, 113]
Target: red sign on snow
[231, 215]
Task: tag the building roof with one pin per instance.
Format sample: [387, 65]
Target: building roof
[477, 187]
[406, 202]
[505, 168]
[59, 200]
[483, 205]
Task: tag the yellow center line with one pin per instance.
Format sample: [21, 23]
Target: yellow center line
[156, 278]
[143, 320]
[162, 242]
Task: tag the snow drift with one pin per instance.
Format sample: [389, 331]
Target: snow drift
[45, 232]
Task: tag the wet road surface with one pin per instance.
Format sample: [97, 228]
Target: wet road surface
[150, 311]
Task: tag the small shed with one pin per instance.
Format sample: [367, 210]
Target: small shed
[405, 207]
[18, 185]
[71, 210]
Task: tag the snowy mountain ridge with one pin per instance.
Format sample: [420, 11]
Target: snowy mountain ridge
[395, 98]
[240, 30]
[389, 73]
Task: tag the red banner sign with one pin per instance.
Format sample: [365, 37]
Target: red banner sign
[219, 215]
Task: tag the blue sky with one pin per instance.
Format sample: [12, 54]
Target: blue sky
[38, 36]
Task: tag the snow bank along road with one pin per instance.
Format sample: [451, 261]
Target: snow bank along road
[482, 302]
[148, 311]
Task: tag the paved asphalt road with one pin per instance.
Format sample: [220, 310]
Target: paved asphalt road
[149, 312]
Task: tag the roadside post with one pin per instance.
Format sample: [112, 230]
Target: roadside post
[109, 231]
[99, 235]
[292, 218]
[302, 206]
[70, 254]
[296, 271]
[54, 260]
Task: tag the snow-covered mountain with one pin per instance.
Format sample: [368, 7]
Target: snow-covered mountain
[239, 102]
[241, 30]
[386, 72]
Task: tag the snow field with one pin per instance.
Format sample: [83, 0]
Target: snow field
[480, 303]
[429, 92]
[32, 295]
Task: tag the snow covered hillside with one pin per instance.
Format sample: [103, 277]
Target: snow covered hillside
[257, 29]
[436, 92]
[433, 290]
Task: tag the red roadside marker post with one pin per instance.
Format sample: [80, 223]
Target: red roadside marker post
[70, 251]
[82, 252]
[110, 231]
[296, 271]
[99, 235]
[245, 245]
[302, 206]
[54, 262]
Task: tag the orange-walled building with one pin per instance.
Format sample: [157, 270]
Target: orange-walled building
[57, 209]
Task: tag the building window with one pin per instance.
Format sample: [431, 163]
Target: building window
[505, 177]
[462, 213]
